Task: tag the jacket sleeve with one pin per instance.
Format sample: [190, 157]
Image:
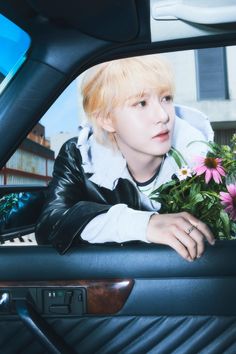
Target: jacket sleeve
[120, 224]
[67, 209]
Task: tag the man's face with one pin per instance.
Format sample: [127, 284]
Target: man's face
[143, 125]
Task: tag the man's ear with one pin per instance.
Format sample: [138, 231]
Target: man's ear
[106, 123]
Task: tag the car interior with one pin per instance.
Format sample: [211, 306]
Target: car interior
[107, 298]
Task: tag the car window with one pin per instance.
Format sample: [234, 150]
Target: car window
[61, 121]
[14, 44]
[205, 80]
[32, 163]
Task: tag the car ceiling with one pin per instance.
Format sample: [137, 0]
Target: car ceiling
[54, 25]
[108, 20]
[68, 36]
[109, 28]
[100, 19]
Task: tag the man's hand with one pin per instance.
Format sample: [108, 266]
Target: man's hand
[181, 231]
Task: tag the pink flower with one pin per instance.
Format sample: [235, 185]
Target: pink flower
[229, 200]
[212, 168]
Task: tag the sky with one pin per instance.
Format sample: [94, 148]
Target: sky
[65, 114]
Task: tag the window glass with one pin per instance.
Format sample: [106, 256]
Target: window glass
[33, 161]
[14, 43]
[212, 93]
[211, 73]
[61, 121]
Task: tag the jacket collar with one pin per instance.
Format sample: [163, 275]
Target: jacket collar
[105, 165]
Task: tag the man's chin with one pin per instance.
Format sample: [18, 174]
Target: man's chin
[164, 149]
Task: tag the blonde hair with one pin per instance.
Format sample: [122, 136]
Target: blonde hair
[107, 85]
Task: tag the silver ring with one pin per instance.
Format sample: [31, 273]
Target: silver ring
[190, 229]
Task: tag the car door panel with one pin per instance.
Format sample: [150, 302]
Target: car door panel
[131, 334]
[162, 305]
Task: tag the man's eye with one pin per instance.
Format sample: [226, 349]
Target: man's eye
[167, 98]
[142, 103]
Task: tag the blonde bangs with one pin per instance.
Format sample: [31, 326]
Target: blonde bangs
[129, 77]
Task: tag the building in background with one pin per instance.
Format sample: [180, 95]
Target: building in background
[206, 79]
[59, 139]
[32, 162]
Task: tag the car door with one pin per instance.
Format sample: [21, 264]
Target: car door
[119, 298]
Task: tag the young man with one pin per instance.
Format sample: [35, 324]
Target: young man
[101, 181]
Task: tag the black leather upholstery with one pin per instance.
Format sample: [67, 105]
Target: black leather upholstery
[174, 307]
[142, 261]
[130, 335]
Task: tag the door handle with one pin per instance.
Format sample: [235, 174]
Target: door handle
[177, 9]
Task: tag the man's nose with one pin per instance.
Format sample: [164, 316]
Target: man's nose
[159, 114]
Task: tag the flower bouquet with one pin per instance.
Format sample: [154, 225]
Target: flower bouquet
[207, 191]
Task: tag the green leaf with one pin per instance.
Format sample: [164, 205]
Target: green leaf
[195, 189]
[233, 229]
[225, 223]
[197, 198]
[209, 144]
[163, 187]
[178, 157]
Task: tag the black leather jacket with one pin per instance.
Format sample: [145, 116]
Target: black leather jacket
[73, 200]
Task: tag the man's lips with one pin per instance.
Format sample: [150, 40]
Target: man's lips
[162, 135]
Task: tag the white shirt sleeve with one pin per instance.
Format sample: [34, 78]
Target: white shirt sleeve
[119, 224]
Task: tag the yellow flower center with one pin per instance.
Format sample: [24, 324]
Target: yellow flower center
[211, 162]
[184, 172]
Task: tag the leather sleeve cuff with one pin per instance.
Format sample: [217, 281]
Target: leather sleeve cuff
[73, 223]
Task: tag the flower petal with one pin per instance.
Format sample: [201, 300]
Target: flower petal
[233, 215]
[229, 209]
[221, 170]
[216, 176]
[232, 189]
[225, 197]
[200, 170]
[199, 159]
[208, 175]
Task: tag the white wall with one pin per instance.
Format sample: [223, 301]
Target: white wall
[183, 64]
[184, 67]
